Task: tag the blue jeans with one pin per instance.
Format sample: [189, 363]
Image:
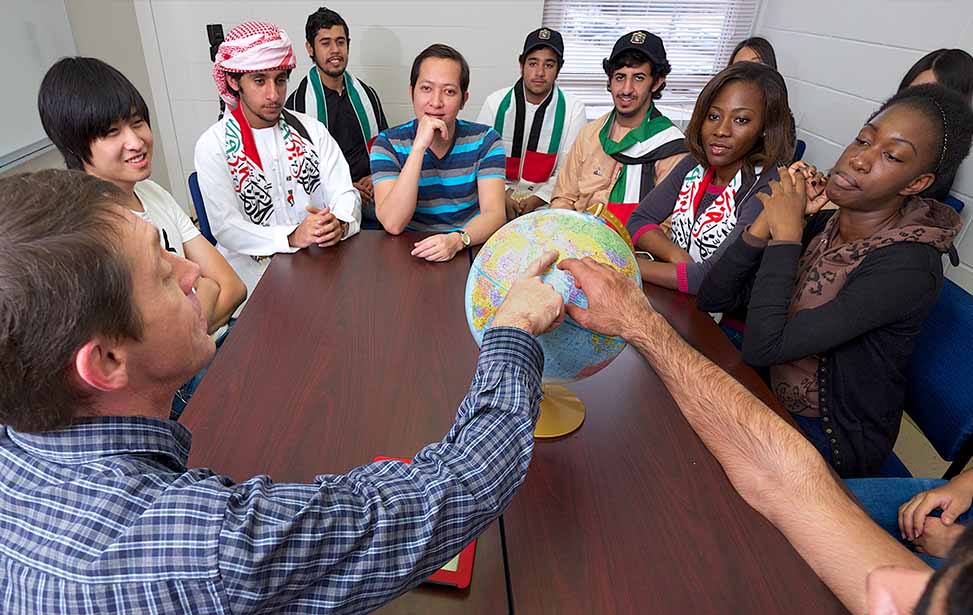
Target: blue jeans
[813, 430]
[881, 498]
[185, 392]
[736, 337]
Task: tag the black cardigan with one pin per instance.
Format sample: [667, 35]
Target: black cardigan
[865, 335]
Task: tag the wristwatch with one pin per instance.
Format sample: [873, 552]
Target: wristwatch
[464, 237]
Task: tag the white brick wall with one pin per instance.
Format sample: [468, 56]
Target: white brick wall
[386, 35]
[842, 58]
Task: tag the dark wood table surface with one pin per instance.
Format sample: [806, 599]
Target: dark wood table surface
[341, 355]
[631, 513]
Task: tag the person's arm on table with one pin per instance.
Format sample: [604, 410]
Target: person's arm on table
[396, 193]
[352, 542]
[220, 290]
[687, 275]
[769, 463]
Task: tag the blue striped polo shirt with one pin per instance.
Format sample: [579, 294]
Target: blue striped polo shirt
[447, 196]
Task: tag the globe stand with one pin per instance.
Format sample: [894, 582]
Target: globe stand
[561, 412]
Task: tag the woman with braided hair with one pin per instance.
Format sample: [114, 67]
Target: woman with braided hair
[834, 299]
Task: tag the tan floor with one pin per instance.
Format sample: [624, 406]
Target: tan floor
[917, 453]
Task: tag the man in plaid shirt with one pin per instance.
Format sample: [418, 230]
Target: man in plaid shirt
[98, 511]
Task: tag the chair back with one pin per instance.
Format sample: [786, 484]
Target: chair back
[939, 398]
[200, 208]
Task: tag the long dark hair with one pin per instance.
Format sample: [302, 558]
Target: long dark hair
[953, 69]
[777, 144]
[761, 47]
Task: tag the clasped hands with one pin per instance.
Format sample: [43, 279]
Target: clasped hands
[320, 227]
[799, 192]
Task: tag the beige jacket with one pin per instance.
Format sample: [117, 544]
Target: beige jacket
[588, 174]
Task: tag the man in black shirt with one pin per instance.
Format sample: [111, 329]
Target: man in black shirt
[348, 107]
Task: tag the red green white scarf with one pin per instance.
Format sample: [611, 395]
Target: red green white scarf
[249, 182]
[654, 139]
[314, 98]
[525, 160]
[701, 235]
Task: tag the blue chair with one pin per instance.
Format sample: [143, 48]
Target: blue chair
[200, 208]
[955, 203]
[940, 399]
[799, 148]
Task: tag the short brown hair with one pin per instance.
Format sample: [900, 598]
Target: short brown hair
[777, 144]
[438, 50]
[63, 280]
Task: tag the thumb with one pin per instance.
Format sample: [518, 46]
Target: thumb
[540, 264]
[579, 315]
[312, 210]
[950, 511]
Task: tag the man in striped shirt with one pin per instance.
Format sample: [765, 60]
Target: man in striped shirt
[438, 173]
[98, 510]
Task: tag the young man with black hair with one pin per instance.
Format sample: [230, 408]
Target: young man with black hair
[273, 180]
[436, 172]
[537, 122]
[346, 105]
[100, 123]
[618, 158]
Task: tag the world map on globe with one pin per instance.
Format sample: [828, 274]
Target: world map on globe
[571, 352]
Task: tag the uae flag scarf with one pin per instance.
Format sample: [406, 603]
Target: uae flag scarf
[532, 159]
[309, 98]
[654, 139]
[246, 168]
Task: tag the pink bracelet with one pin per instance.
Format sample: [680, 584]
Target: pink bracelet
[682, 279]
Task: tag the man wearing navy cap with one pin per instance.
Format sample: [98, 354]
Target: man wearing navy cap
[618, 158]
[537, 122]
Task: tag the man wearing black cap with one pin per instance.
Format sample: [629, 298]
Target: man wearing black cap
[537, 122]
[618, 158]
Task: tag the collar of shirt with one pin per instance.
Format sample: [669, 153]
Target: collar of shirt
[92, 438]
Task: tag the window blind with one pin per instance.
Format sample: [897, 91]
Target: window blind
[699, 36]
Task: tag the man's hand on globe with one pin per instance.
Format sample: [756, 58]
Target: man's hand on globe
[532, 305]
[616, 305]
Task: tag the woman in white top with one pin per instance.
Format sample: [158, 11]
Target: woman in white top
[100, 123]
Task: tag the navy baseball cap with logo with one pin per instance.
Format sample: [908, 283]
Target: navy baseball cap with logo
[544, 37]
[643, 41]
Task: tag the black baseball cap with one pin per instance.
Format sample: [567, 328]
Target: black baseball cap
[643, 41]
[544, 37]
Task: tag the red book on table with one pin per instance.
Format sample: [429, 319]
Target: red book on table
[459, 570]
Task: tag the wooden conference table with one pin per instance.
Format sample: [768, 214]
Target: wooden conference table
[362, 350]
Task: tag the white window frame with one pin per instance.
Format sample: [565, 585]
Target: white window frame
[699, 36]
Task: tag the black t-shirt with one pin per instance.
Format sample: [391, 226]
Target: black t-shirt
[344, 127]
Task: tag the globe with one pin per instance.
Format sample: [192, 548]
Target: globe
[571, 352]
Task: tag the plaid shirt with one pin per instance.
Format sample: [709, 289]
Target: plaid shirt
[104, 516]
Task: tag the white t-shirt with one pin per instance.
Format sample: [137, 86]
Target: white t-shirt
[175, 227]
